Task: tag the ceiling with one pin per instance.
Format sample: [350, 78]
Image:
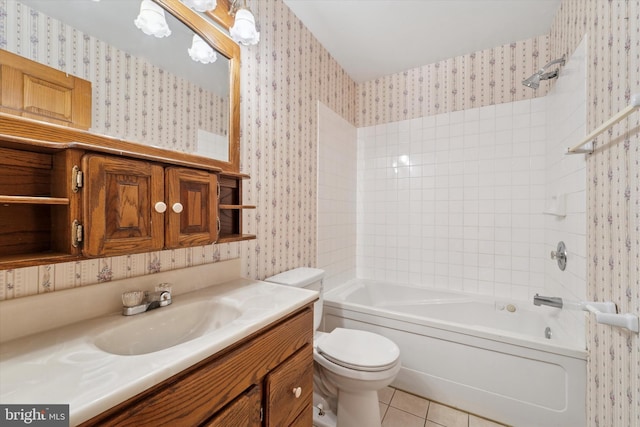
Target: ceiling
[373, 38]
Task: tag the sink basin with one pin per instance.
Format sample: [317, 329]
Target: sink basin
[165, 327]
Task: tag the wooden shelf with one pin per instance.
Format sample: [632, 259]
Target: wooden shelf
[29, 260]
[33, 200]
[236, 207]
[226, 238]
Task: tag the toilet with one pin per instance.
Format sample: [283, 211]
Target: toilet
[350, 366]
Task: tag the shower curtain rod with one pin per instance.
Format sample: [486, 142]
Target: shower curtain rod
[635, 103]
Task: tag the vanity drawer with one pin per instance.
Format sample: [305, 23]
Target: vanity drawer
[244, 411]
[283, 404]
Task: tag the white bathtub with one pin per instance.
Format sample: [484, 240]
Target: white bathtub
[472, 353]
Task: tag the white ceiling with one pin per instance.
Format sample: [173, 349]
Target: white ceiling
[373, 38]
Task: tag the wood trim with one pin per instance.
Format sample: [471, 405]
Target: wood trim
[230, 50]
[28, 200]
[56, 137]
[221, 14]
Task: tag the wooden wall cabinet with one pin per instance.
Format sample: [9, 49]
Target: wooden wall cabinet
[253, 383]
[62, 200]
[139, 206]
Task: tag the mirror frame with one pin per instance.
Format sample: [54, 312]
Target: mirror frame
[230, 50]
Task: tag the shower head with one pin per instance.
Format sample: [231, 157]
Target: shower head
[534, 80]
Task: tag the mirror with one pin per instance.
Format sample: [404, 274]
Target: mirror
[145, 89]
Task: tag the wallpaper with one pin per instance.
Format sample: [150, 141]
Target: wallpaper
[488, 77]
[283, 78]
[613, 197]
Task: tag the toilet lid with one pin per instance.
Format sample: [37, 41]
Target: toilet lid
[359, 350]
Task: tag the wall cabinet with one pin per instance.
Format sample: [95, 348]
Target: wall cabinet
[62, 200]
[266, 380]
[138, 206]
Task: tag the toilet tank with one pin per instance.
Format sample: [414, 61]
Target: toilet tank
[304, 277]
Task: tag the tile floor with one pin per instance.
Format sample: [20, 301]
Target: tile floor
[401, 409]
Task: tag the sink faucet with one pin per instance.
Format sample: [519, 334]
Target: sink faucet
[550, 301]
[136, 302]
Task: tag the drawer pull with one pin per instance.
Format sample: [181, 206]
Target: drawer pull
[297, 392]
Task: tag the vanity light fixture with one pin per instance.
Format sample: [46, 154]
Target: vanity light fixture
[151, 20]
[200, 51]
[243, 30]
[201, 5]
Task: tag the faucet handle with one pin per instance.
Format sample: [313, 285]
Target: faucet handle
[132, 298]
[163, 287]
[560, 255]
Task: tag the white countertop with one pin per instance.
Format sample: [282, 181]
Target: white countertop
[64, 366]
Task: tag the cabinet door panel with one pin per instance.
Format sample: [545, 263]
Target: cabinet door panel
[196, 224]
[119, 213]
[296, 374]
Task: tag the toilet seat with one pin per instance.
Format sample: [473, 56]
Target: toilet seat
[358, 350]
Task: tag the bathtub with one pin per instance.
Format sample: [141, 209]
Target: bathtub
[487, 357]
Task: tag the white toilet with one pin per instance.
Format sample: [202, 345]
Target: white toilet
[351, 365]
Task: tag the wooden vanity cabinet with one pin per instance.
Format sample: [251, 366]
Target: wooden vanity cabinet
[139, 206]
[252, 383]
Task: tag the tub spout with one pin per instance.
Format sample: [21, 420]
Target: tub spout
[550, 301]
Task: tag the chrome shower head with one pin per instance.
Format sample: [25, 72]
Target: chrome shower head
[534, 81]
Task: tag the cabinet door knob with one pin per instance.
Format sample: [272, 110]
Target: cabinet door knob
[177, 207]
[297, 392]
[160, 207]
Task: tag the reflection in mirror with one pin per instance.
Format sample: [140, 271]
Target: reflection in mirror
[145, 89]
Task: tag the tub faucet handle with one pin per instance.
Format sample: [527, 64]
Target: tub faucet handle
[560, 254]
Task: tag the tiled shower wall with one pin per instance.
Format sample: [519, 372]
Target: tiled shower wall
[455, 200]
[566, 180]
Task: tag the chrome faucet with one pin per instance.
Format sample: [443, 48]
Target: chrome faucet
[550, 301]
[136, 302]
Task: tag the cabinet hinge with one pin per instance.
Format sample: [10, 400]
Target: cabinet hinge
[76, 179]
[261, 413]
[76, 233]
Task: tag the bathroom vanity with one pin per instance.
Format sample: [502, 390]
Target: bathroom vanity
[227, 389]
[225, 352]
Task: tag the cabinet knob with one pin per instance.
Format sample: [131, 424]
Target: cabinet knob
[160, 207]
[177, 207]
[297, 392]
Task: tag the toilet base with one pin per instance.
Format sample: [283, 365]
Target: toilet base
[358, 409]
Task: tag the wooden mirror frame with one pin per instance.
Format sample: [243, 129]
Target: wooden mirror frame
[230, 50]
